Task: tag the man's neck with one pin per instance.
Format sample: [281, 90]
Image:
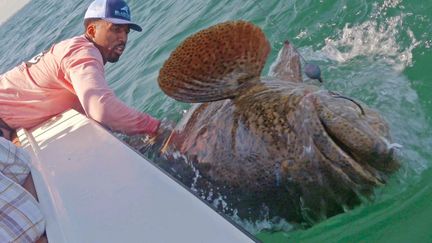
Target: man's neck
[96, 45]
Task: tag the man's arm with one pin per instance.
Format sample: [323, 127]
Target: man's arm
[101, 104]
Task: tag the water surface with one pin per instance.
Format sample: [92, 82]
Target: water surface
[376, 51]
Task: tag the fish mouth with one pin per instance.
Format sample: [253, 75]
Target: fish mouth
[356, 145]
[350, 164]
[338, 142]
[354, 140]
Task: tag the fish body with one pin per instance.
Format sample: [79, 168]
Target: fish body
[304, 152]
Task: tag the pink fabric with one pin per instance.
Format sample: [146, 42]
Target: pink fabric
[69, 75]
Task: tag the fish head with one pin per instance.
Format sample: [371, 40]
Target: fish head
[357, 130]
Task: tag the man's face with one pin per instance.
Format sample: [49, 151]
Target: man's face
[110, 39]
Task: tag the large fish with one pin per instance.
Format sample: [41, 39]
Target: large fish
[270, 144]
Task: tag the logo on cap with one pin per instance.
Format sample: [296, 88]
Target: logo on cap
[123, 12]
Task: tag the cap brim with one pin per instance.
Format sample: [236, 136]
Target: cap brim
[122, 21]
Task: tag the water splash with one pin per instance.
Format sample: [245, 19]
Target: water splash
[374, 40]
[381, 10]
[428, 44]
[269, 225]
[381, 37]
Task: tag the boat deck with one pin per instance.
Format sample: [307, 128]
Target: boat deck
[94, 188]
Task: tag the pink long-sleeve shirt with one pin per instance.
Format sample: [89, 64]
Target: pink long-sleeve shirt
[69, 75]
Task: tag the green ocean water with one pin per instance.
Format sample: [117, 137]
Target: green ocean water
[379, 52]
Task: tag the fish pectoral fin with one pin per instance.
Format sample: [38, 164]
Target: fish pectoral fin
[215, 63]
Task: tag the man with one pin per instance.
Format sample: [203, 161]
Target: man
[71, 75]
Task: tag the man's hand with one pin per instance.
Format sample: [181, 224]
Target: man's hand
[163, 132]
[154, 142]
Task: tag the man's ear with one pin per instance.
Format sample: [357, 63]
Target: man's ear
[91, 30]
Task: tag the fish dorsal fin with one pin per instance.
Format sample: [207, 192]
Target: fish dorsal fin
[287, 66]
[214, 63]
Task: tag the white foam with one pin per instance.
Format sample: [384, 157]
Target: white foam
[379, 37]
[372, 39]
[428, 44]
[381, 10]
[254, 227]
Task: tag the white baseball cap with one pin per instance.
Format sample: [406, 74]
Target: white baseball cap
[113, 11]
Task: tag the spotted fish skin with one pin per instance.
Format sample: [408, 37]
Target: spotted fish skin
[304, 152]
[283, 145]
[213, 63]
